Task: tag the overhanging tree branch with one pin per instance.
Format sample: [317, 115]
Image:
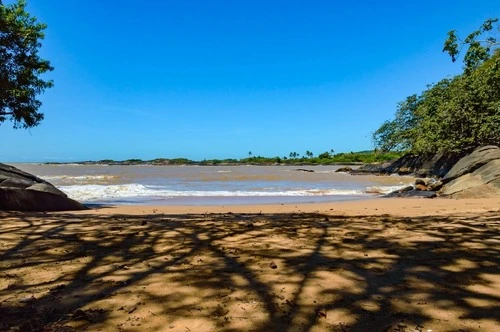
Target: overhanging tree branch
[478, 50]
[21, 66]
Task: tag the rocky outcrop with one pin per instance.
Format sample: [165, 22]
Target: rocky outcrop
[371, 169]
[476, 175]
[304, 170]
[345, 169]
[412, 192]
[21, 191]
[422, 188]
[422, 166]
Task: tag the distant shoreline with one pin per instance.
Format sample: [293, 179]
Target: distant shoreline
[350, 158]
[195, 163]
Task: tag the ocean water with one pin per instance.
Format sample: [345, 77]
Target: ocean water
[211, 185]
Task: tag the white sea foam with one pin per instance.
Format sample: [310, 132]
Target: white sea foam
[95, 192]
[384, 189]
[78, 178]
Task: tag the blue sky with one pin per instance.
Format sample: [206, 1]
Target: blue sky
[217, 79]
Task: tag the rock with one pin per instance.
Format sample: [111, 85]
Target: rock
[9, 172]
[17, 199]
[344, 170]
[421, 187]
[372, 169]
[21, 191]
[412, 193]
[483, 182]
[17, 183]
[434, 185]
[46, 187]
[468, 164]
[420, 182]
[423, 166]
[462, 175]
[405, 189]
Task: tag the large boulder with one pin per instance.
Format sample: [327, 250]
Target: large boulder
[21, 191]
[468, 164]
[475, 175]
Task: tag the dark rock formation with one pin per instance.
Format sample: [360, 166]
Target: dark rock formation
[21, 191]
[344, 170]
[412, 193]
[420, 182]
[371, 169]
[423, 166]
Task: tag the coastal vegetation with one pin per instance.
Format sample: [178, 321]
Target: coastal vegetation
[457, 114]
[294, 158]
[21, 66]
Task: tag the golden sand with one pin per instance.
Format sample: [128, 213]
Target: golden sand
[375, 265]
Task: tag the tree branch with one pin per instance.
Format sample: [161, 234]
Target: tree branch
[489, 42]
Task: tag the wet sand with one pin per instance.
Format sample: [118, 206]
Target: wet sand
[377, 265]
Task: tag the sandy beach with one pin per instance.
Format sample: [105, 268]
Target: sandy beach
[374, 265]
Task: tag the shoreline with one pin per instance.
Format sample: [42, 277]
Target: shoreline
[410, 207]
[390, 264]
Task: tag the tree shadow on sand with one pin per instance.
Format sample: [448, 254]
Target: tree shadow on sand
[259, 272]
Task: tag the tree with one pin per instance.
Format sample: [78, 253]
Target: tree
[456, 114]
[21, 66]
[478, 50]
[324, 155]
[398, 134]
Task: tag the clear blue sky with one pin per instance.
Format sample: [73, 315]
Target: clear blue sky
[217, 79]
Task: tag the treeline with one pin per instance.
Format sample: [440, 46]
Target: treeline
[456, 114]
[326, 158]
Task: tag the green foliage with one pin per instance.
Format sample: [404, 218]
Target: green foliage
[324, 155]
[180, 161]
[365, 157]
[133, 161]
[322, 159]
[456, 114]
[398, 134]
[478, 50]
[20, 66]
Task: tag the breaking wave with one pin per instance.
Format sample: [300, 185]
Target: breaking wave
[96, 192]
[106, 193]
